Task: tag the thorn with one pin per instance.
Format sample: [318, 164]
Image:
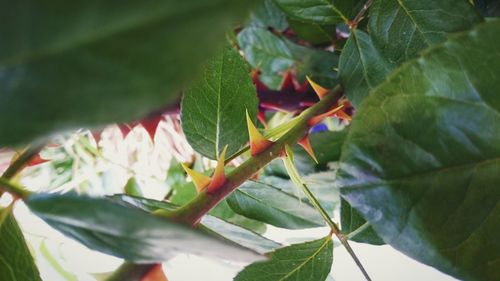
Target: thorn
[317, 119]
[218, 178]
[306, 145]
[262, 118]
[200, 180]
[155, 274]
[36, 160]
[97, 135]
[257, 142]
[320, 91]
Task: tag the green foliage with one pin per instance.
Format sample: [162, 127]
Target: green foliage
[87, 63]
[16, 262]
[213, 110]
[420, 159]
[271, 205]
[310, 261]
[416, 167]
[117, 228]
[354, 225]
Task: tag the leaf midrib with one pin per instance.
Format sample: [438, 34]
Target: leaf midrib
[414, 21]
[325, 243]
[425, 173]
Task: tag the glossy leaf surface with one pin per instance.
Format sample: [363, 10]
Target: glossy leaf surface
[69, 64]
[210, 223]
[310, 261]
[361, 66]
[213, 109]
[121, 230]
[319, 11]
[271, 205]
[16, 262]
[421, 159]
[402, 28]
[352, 221]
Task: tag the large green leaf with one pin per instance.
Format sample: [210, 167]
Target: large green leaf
[422, 157]
[361, 66]
[401, 28]
[66, 64]
[16, 262]
[319, 11]
[354, 224]
[213, 110]
[127, 232]
[310, 261]
[210, 223]
[269, 204]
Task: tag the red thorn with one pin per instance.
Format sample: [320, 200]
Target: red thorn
[262, 118]
[96, 135]
[317, 119]
[257, 142]
[155, 274]
[306, 145]
[36, 160]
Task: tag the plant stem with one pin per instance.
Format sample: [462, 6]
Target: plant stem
[17, 166]
[131, 271]
[14, 189]
[192, 212]
[335, 229]
[23, 159]
[361, 13]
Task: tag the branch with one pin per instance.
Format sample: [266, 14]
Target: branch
[192, 213]
[361, 13]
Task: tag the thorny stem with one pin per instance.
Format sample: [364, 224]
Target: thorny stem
[335, 229]
[361, 13]
[192, 212]
[17, 166]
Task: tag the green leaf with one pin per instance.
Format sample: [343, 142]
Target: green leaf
[121, 230]
[87, 63]
[213, 110]
[313, 32]
[16, 262]
[269, 204]
[352, 221]
[421, 160]
[310, 261]
[318, 11]
[402, 28]
[267, 15]
[210, 223]
[265, 51]
[361, 66]
[274, 55]
[224, 212]
[239, 235]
